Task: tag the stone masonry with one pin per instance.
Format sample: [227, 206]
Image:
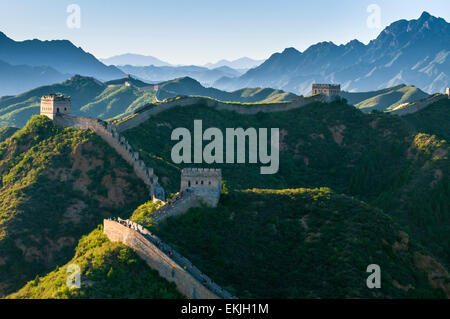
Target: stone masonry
[108, 132]
[54, 104]
[190, 281]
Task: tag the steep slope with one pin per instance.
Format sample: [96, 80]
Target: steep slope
[6, 132]
[61, 55]
[385, 99]
[108, 270]
[189, 86]
[303, 243]
[379, 158]
[19, 78]
[433, 119]
[57, 185]
[89, 97]
[416, 52]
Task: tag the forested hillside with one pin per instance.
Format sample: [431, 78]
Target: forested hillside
[57, 185]
[379, 158]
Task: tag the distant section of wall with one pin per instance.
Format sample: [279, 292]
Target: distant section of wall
[108, 133]
[154, 109]
[417, 105]
[190, 281]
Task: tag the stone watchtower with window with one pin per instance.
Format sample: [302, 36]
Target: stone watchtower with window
[206, 183]
[330, 91]
[54, 104]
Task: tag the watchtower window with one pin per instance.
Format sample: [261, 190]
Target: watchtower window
[209, 182]
[196, 182]
[201, 182]
[57, 110]
[189, 183]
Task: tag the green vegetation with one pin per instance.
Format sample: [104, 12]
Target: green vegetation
[433, 119]
[108, 270]
[89, 97]
[365, 176]
[385, 99]
[6, 132]
[189, 86]
[57, 185]
[374, 157]
[299, 243]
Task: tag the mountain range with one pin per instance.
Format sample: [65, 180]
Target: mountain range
[15, 79]
[164, 73]
[134, 59]
[239, 64]
[416, 52]
[58, 58]
[113, 99]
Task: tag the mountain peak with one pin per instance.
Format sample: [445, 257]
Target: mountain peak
[290, 50]
[425, 16]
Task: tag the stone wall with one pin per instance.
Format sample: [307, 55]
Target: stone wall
[417, 105]
[190, 281]
[154, 109]
[205, 182]
[108, 132]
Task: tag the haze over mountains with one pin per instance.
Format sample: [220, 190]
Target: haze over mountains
[415, 52]
[164, 73]
[241, 63]
[61, 55]
[134, 59]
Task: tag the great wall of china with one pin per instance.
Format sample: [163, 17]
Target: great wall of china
[190, 281]
[108, 132]
[418, 105]
[141, 116]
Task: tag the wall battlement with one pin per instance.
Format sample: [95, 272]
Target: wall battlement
[108, 132]
[206, 183]
[152, 109]
[54, 104]
[197, 172]
[172, 266]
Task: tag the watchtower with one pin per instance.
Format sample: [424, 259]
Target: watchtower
[329, 90]
[54, 104]
[204, 182]
[447, 91]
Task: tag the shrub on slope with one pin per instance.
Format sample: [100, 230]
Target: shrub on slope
[57, 185]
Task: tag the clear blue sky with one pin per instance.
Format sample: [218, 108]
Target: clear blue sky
[201, 31]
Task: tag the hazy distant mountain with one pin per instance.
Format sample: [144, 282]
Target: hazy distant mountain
[164, 73]
[134, 59]
[60, 55]
[242, 63]
[416, 52]
[19, 78]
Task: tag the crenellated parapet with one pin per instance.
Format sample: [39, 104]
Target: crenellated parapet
[109, 133]
[172, 266]
[205, 182]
